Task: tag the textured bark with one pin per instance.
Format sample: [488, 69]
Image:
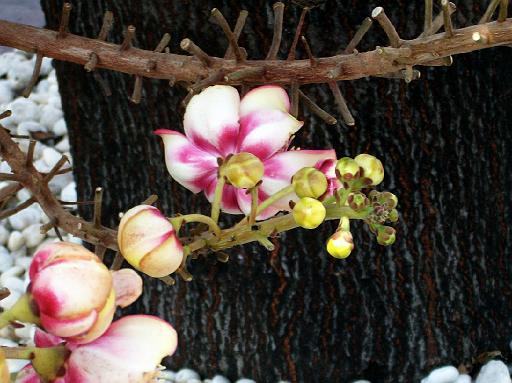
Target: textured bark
[441, 294]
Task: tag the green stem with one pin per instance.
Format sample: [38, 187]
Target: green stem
[217, 197]
[18, 352]
[47, 361]
[189, 218]
[254, 205]
[21, 311]
[274, 198]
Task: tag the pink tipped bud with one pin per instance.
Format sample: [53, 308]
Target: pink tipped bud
[73, 292]
[148, 242]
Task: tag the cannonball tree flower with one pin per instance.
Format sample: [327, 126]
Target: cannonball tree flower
[73, 291]
[148, 241]
[217, 124]
[130, 351]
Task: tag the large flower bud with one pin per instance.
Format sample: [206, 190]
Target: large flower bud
[372, 168]
[309, 182]
[340, 244]
[244, 170]
[73, 291]
[347, 169]
[309, 213]
[148, 242]
[130, 351]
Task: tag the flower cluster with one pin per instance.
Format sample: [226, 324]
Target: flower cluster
[72, 297]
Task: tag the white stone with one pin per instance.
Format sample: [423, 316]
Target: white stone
[51, 156]
[6, 261]
[25, 332]
[24, 110]
[4, 167]
[27, 127]
[8, 60]
[26, 217]
[5, 92]
[23, 262]
[60, 128]
[53, 89]
[60, 181]
[73, 239]
[197, 381]
[63, 145]
[32, 235]
[55, 101]
[445, 374]
[19, 75]
[46, 66]
[494, 371]
[13, 271]
[21, 252]
[9, 301]
[167, 375]
[69, 193]
[4, 235]
[244, 380]
[42, 88]
[463, 379]
[41, 166]
[220, 379]
[50, 115]
[14, 284]
[16, 241]
[186, 374]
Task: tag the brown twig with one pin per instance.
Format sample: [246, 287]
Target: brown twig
[294, 102]
[64, 20]
[312, 58]
[232, 39]
[5, 114]
[439, 21]
[214, 78]
[379, 15]
[427, 26]
[448, 28]
[9, 191]
[98, 199]
[239, 26]
[278, 31]
[315, 109]
[35, 75]
[150, 200]
[243, 74]
[298, 32]
[128, 37]
[489, 11]
[117, 262]
[108, 21]
[342, 104]
[358, 36]
[137, 90]
[166, 39]
[189, 46]
[18, 208]
[502, 16]
[91, 64]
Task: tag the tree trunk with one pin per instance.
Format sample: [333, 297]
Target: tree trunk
[441, 294]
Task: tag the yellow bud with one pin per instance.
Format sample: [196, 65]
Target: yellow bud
[340, 244]
[347, 168]
[308, 213]
[309, 182]
[244, 170]
[372, 168]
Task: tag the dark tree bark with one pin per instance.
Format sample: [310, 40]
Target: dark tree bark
[441, 294]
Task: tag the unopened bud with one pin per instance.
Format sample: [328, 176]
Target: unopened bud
[244, 170]
[309, 182]
[340, 244]
[347, 168]
[386, 236]
[393, 215]
[389, 199]
[309, 213]
[372, 168]
[357, 201]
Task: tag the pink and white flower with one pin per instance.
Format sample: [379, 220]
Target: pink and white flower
[217, 123]
[75, 293]
[130, 351]
[148, 241]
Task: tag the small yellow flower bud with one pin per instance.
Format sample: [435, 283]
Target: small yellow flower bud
[393, 215]
[309, 213]
[347, 168]
[372, 168]
[244, 170]
[357, 201]
[340, 244]
[309, 182]
[386, 236]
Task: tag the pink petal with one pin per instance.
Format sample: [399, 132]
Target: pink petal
[127, 285]
[27, 375]
[69, 327]
[280, 168]
[186, 163]
[265, 132]
[328, 167]
[211, 119]
[229, 202]
[129, 351]
[244, 202]
[266, 97]
[44, 339]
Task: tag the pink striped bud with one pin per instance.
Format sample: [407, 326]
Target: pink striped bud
[73, 292]
[148, 242]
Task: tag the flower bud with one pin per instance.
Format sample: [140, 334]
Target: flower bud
[393, 215]
[389, 200]
[357, 201]
[244, 170]
[148, 242]
[72, 291]
[340, 244]
[372, 168]
[309, 182]
[308, 213]
[386, 235]
[347, 168]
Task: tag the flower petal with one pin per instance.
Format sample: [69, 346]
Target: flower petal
[328, 167]
[280, 169]
[265, 132]
[185, 162]
[266, 97]
[45, 339]
[211, 119]
[229, 202]
[127, 285]
[129, 351]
